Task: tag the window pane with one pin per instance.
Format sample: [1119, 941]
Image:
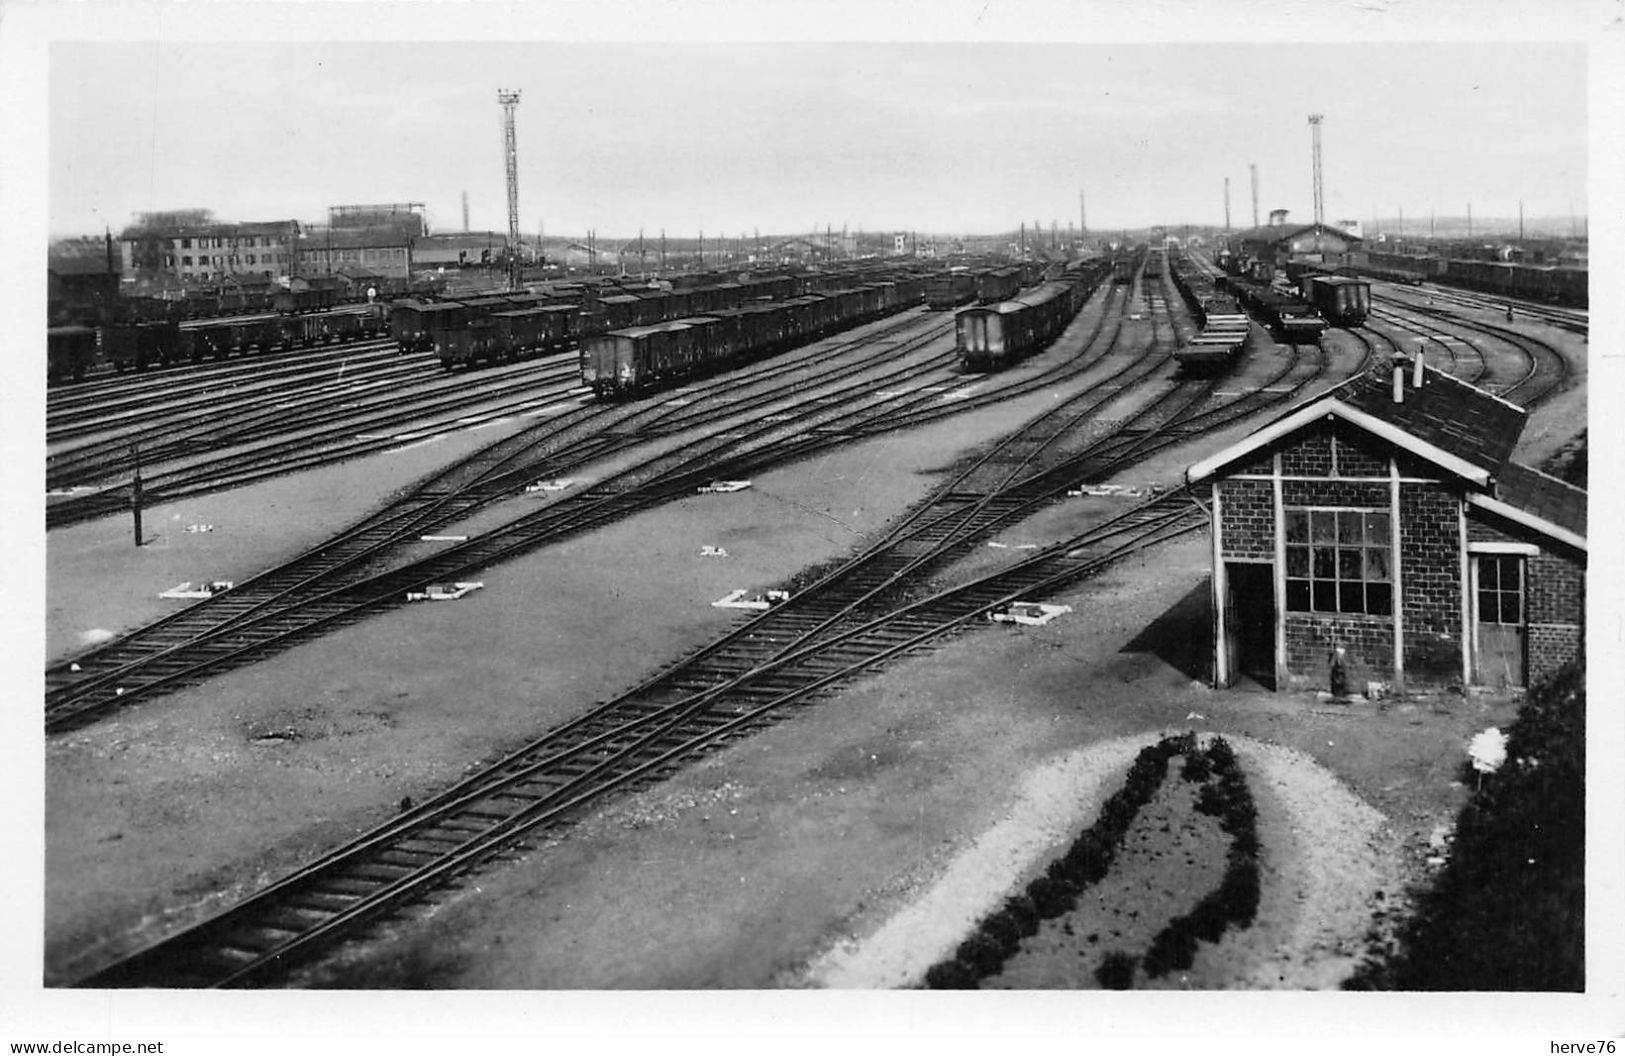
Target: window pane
[1376, 565]
[1348, 563]
[1297, 526]
[1376, 528]
[1379, 599]
[1297, 560]
[1350, 598]
[1348, 527]
[1325, 596]
[1297, 595]
[1510, 605]
[1489, 609]
[1489, 574]
[1323, 524]
[1325, 562]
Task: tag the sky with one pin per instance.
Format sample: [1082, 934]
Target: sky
[782, 137]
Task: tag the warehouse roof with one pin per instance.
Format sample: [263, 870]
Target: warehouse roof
[1286, 232]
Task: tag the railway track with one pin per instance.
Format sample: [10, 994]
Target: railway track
[849, 622]
[550, 782]
[355, 437]
[338, 582]
[319, 414]
[1544, 369]
[265, 611]
[75, 413]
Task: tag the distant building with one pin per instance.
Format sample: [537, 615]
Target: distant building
[381, 250]
[1277, 244]
[462, 249]
[1383, 527]
[189, 248]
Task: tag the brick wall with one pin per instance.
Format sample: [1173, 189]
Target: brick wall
[1550, 647]
[1310, 454]
[1247, 510]
[1359, 454]
[1368, 645]
[1430, 569]
[1334, 493]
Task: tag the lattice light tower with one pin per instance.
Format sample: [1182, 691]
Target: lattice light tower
[510, 150]
[1320, 188]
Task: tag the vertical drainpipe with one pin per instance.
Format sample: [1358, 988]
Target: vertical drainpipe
[1278, 578]
[1397, 562]
[1221, 662]
[1466, 598]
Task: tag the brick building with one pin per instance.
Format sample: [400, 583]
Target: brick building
[1385, 518]
[1277, 244]
[189, 248]
[379, 251]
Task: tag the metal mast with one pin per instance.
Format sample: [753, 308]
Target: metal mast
[1253, 168]
[465, 212]
[1227, 205]
[1320, 193]
[510, 150]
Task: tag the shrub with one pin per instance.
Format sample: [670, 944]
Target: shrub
[1116, 971]
[1052, 897]
[1211, 801]
[982, 953]
[951, 975]
[1022, 913]
[1508, 911]
[1222, 756]
[1196, 767]
[1173, 950]
[1003, 929]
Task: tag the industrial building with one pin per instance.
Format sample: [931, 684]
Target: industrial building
[1278, 242]
[186, 247]
[1382, 529]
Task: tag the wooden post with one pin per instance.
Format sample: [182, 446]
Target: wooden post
[135, 492]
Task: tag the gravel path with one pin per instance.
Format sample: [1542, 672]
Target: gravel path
[1329, 855]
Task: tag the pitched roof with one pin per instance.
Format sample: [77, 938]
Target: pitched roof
[1468, 422]
[1283, 232]
[1544, 496]
[1461, 428]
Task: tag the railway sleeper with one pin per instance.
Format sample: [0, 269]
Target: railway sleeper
[406, 857]
[318, 903]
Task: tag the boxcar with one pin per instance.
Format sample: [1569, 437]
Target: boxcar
[407, 326]
[1344, 301]
[69, 352]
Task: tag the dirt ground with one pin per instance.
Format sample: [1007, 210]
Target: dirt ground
[754, 867]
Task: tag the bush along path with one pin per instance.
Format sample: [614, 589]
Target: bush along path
[1223, 795]
[1508, 910]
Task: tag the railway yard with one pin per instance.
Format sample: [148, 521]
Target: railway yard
[592, 772]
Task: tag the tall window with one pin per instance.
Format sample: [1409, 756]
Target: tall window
[1339, 561]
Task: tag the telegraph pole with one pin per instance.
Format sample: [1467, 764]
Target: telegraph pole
[1227, 205]
[510, 151]
[1320, 192]
[1253, 167]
